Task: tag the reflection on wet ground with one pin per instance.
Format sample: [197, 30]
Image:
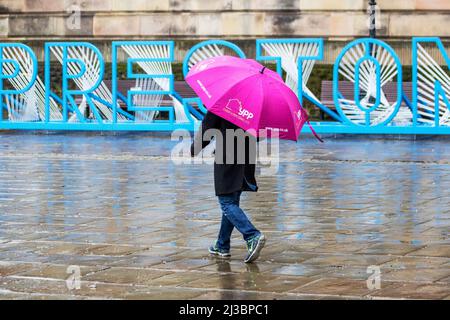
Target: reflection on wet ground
[138, 225]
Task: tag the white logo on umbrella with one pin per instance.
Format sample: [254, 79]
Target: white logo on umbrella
[203, 66]
[202, 86]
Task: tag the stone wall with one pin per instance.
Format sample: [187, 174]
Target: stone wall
[193, 20]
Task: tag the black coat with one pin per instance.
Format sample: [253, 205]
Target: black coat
[233, 171]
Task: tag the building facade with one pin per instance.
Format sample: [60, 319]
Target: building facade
[242, 21]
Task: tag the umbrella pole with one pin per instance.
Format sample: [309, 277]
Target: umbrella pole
[372, 21]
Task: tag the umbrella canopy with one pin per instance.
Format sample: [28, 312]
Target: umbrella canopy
[248, 95]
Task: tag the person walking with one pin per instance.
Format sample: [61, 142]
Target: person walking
[234, 172]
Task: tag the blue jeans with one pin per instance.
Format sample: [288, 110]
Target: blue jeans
[233, 217]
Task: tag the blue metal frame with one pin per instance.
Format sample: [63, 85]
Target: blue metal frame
[169, 124]
[191, 110]
[132, 75]
[67, 100]
[337, 127]
[300, 60]
[438, 89]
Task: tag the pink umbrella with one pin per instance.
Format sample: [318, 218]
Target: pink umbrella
[247, 94]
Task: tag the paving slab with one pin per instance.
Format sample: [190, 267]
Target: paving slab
[138, 225]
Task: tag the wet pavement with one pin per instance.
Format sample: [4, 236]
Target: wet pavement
[137, 225]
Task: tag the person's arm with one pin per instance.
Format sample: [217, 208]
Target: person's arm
[210, 121]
